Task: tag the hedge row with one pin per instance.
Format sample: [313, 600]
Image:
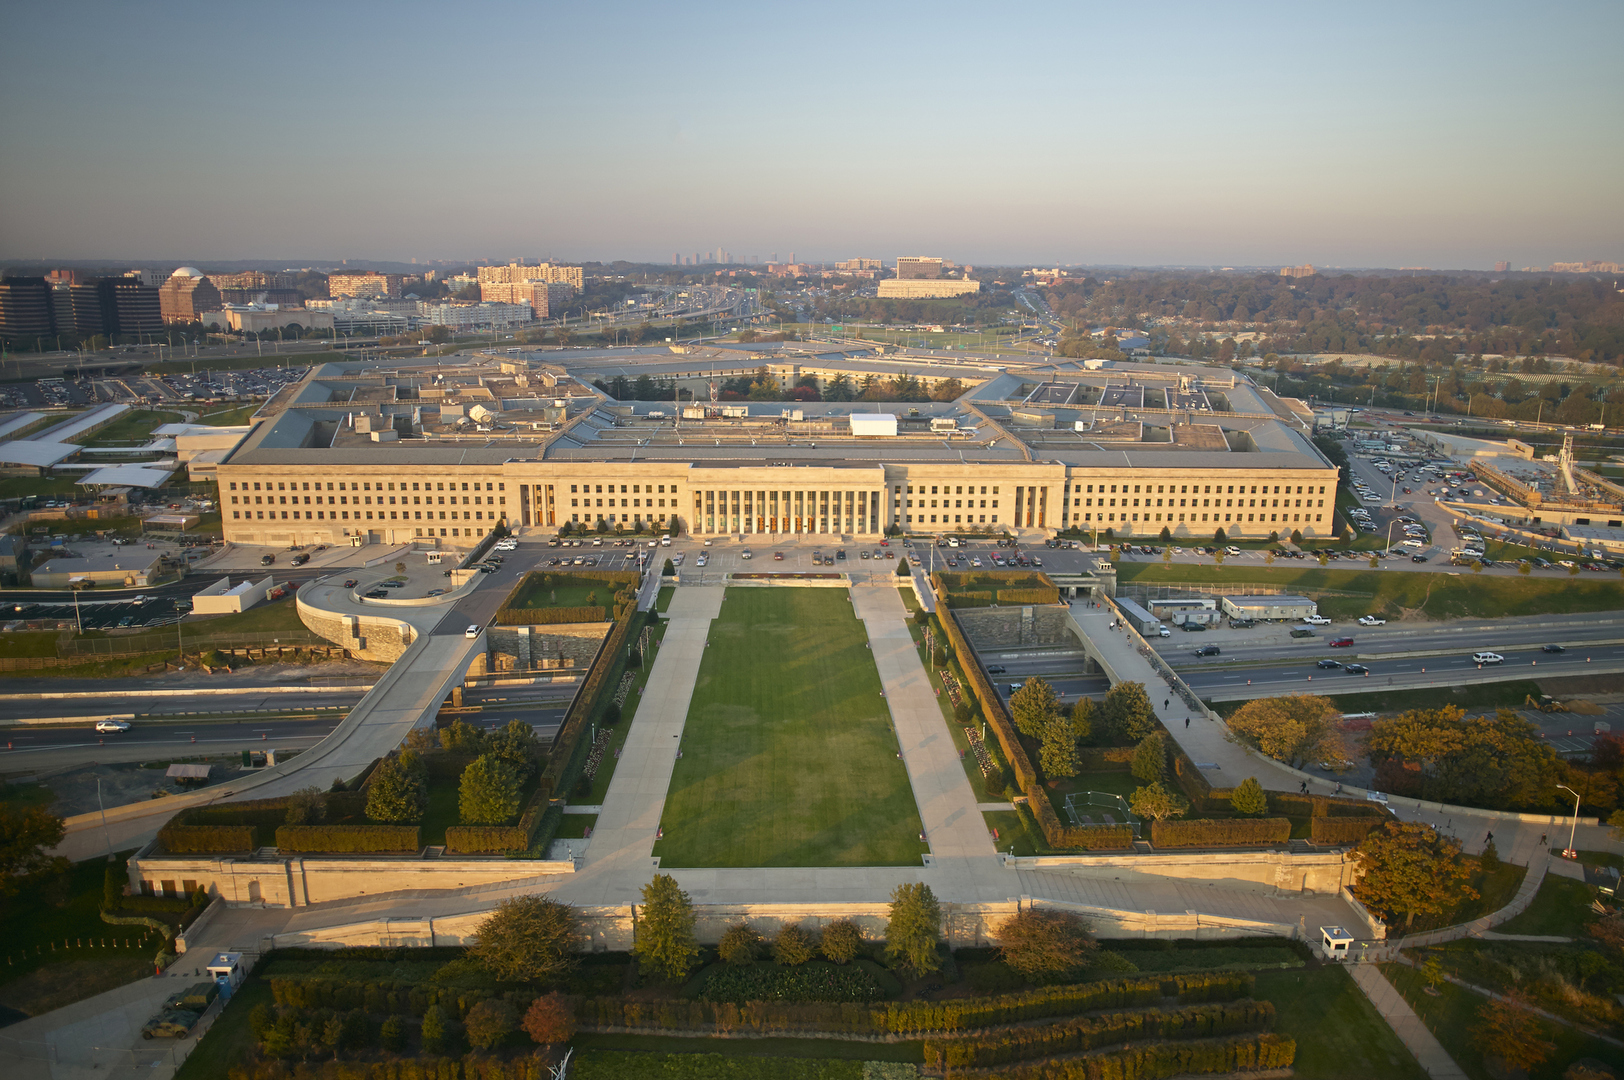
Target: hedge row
[1050, 595]
[503, 839]
[163, 904]
[1106, 758]
[180, 839]
[1092, 1032]
[349, 839]
[1157, 1061]
[1219, 832]
[549, 616]
[1341, 830]
[914, 1017]
[1092, 837]
[414, 999]
[1312, 806]
[470, 1067]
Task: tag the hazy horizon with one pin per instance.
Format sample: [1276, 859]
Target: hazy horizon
[1438, 136]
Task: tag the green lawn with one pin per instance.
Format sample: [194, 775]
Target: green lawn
[1561, 908]
[663, 601]
[1495, 891]
[1452, 1015]
[1012, 832]
[545, 589]
[133, 428]
[17, 487]
[617, 737]
[279, 617]
[1471, 696]
[231, 417]
[1339, 1034]
[788, 754]
[1441, 595]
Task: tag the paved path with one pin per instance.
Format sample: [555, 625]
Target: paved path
[961, 848]
[1405, 1024]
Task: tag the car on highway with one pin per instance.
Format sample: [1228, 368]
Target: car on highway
[471, 632]
[995, 669]
[1356, 669]
[1208, 650]
[1371, 620]
[111, 727]
[1327, 663]
[1340, 643]
[1553, 648]
[1487, 658]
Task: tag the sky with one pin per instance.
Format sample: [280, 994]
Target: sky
[1389, 135]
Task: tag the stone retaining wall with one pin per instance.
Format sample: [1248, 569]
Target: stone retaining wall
[528, 648]
[365, 637]
[1013, 627]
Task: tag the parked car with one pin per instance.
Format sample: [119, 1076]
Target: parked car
[1371, 620]
[1316, 620]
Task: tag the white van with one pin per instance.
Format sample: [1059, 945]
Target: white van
[1487, 658]
[665, 541]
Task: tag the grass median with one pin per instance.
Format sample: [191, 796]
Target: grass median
[788, 755]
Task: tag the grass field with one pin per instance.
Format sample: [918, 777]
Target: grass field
[541, 589]
[1437, 595]
[788, 754]
[133, 428]
[1339, 1034]
[1561, 908]
[231, 417]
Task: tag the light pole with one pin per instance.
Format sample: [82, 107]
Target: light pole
[1569, 853]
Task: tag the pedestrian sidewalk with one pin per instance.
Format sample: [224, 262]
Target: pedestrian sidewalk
[1428, 1051]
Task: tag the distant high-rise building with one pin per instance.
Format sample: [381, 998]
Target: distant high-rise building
[113, 306]
[365, 284]
[918, 266]
[186, 295]
[676, 260]
[152, 279]
[1305, 270]
[253, 279]
[513, 273]
[1590, 267]
[25, 307]
[924, 288]
[1502, 266]
[859, 264]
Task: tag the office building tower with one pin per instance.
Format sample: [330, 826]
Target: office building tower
[25, 308]
[918, 266]
[186, 295]
[1502, 266]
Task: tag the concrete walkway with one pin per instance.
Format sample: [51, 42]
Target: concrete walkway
[619, 861]
[1405, 1024]
[961, 848]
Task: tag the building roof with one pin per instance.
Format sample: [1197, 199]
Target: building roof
[129, 475]
[187, 271]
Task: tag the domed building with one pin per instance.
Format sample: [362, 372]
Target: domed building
[186, 295]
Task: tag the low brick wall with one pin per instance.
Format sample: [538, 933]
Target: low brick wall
[1317, 873]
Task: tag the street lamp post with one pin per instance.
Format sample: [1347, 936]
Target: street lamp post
[1569, 853]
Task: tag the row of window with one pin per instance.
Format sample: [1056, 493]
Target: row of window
[957, 503]
[648, 489]
[1203, 502]
[364, 485]
[344, 515]
[1121, 515]
[634, 502]
[344, 500]
[1196, 489]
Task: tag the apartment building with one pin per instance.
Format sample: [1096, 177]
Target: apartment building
[364, 284]
[518, 272]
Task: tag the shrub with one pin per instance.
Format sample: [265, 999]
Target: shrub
[740, 944]
[804, 982]
[665, 945]
[398, 790]
[842, 941]
[489, 1022]
[1220, 832]
[1341, 830]
[550, 1019]
[392, 1035]
[1248, 798]
[488, 793]
[307, 806]
[207, 839]
[912, 930]
[1150, 758]
[549, 616]
[349, 839]
[794, 946]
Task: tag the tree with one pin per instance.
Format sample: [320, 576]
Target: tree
[1167, 534]
[902, 568]
[1045, 944]
[669, 569]
[1409, 869]
[399, 790]
[911, 932]
[400, 568]
[1293, 729]
[1324, 559]
[434, 1029]
[1498, 761]
[1032, 706]
[461, 735]
[1524, 567]
[1157, 802]
[794, 946]
[517, 745]
[489, 791]
[1150, 758]
[26, 835]
[1219, 536]
[392, 1034]
[1248, 797]
[489, 1022]
[1297, 537]
[1489, 860]
[527, 939]
[550, 1020]
[1057, 756]
[1616, 822]
[1126, 715]
[1506, 1029]
[665, 945]
[842, 941]
[740, 944]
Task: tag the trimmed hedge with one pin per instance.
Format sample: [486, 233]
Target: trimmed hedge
[504, 839]
[600, 680]
[1157, 1061]
[180, 839]
[372, 995]
[1342, 830]
[549, 616]
[817, 981]
[1220, 832]
[913, 1018]
[1051, 595]
[1092, 1032]
[167, 904]
[471, 1067]
[349, 839]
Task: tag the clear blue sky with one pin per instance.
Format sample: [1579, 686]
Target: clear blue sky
[1410, 134]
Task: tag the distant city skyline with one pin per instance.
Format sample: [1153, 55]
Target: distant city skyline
[1183, 135]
